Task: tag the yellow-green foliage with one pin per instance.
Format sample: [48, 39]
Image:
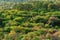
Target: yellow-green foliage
[30, 21]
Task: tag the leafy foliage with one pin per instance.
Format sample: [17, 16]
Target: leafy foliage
[37, 20]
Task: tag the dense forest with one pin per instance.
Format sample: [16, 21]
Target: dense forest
[32, 20]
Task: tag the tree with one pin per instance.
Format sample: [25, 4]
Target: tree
[25, 7]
